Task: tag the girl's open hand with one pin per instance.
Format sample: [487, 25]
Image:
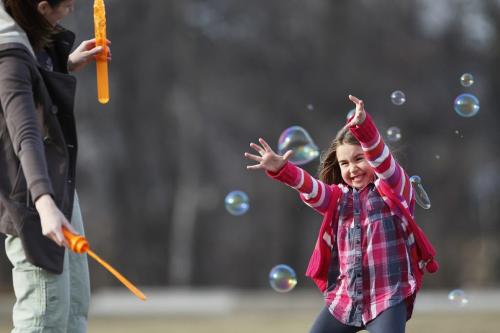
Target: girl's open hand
[267, 158]
[360, 114]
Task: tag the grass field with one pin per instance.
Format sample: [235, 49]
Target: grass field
[293, 322]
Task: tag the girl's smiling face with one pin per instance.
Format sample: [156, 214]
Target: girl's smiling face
[355, 170]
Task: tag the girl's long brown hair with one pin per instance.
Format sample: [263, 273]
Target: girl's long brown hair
[26, 15]
[329, 169]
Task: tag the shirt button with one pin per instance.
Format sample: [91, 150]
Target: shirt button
[358, 275]
[358, 226]
[358, 241]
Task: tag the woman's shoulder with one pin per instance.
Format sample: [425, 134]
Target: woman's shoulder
[16, 65]
[16, 51]
[12, 53]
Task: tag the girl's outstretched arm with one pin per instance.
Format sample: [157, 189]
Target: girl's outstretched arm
[378, 154]
[313, 192]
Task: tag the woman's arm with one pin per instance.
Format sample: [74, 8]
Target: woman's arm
[17, 100]
[22, 121]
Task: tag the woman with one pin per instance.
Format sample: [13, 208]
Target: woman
[38, 147]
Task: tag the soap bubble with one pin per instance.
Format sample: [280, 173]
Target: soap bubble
[310, 107]
[237, 202]
[457, 132]
[458, 297]
[466, 105]
[467, 80]
[398, 97]
[420, 195]
[350, 114]
[282, 278]
[297, 139]
[394, 134]
[438, 157]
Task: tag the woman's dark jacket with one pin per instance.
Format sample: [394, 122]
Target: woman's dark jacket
[38, 144]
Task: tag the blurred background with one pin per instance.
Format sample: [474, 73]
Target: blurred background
[193, 82]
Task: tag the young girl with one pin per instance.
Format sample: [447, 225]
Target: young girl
[37, 163]
[363, 257]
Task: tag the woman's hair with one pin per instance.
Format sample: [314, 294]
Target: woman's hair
[26, 15]
[329, 169]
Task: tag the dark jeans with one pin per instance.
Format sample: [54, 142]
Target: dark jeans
[392, 320]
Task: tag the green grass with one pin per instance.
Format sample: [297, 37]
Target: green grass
[278, 322]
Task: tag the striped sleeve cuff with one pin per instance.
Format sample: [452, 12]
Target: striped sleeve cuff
[366, 132]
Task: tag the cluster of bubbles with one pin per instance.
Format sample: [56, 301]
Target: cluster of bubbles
[458, 298]
[297, 139]
[466, 105]
[282, 278]
[237, 203]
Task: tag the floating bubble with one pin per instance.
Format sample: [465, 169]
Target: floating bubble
[466, 105]
[350, 114]
[458, 297]
[297, 139]
[467, 80]
[394, 134]
[310, 107]
[282, 278]
[420, 195]
[457, 132]
[237, 202]
[398, 97]
[438, 157]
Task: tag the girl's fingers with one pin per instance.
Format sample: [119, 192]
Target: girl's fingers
[287, 155]
[254, 167]
[354, 99]
[265, 145]
[257, 148]
[253, 157]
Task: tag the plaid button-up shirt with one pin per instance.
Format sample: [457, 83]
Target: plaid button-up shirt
[370, 269]
[370, 266]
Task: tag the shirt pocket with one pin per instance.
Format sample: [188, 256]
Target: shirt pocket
[375, 209]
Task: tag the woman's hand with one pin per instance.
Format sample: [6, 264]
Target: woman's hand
[360, 114]
[267, 158]
[85, 53]
[52, 220]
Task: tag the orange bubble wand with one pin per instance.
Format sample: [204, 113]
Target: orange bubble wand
[78, 244]
[102, 58]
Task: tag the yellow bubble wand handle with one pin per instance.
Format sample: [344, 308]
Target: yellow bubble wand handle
[78, 244]
[102, 58]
